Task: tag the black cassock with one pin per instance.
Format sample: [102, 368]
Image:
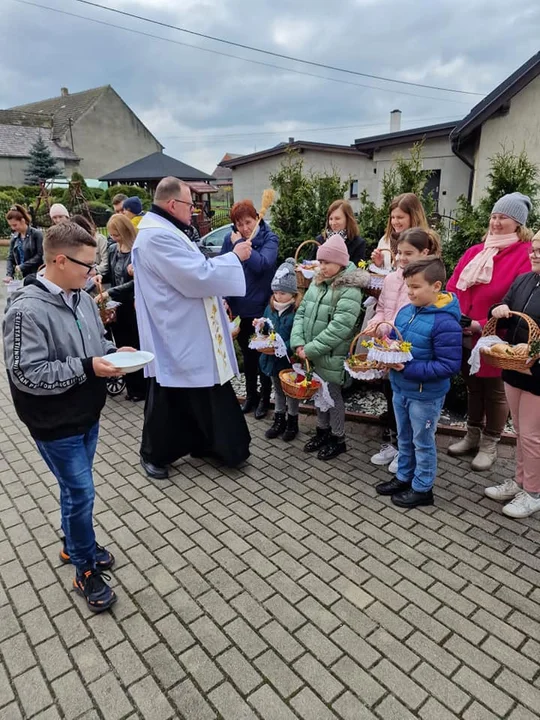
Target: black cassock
[203, 422]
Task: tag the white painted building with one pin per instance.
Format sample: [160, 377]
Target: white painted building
[508, 117]
[457, 153]
[251, 173]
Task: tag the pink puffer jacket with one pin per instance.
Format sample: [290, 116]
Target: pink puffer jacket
[393, 297]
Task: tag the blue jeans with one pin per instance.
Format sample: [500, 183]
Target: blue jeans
[417, 424]
[70, 461]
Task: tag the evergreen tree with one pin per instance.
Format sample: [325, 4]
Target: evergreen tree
[41, 164]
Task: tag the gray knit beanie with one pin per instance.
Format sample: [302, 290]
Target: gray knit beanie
[516, 205]
[285, 278]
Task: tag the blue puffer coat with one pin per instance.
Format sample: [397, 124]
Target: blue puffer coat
[258, 270]
[270, 364]
[436, 337]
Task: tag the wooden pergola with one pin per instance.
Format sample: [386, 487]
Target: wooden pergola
[149, 170]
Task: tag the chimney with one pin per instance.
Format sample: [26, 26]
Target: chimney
[291, 140]
[64, 92]
[395, 121]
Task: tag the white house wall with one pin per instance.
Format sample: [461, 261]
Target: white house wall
[518, 130]
[251, 179]
[12, 170]
[437, 155]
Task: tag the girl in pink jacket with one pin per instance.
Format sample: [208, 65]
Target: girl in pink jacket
[481, 279]
[412, 244]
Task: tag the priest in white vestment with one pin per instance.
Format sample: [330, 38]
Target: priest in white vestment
[191, 407]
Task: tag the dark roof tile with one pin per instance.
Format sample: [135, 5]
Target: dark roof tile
[155, 167]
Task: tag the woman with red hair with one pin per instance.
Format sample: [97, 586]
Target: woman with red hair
[259, 270]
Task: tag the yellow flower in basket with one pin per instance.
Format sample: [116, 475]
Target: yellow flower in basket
[405, 346]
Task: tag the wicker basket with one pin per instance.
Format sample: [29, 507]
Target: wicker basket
[266, 350]
[377, 278]
[378, 346]
[108, 315]
[358, 362]
[303, 282]
[293, 389]
[520, 363]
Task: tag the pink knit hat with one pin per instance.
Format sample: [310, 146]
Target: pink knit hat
[334, 250]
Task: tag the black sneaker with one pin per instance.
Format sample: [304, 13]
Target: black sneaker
[392, 486]
[93, 588]
[412, 498]
[104, 558]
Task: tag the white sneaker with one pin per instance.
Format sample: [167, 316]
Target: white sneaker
[506, 491]
[392, 468]
[522, 506]
[385, 455]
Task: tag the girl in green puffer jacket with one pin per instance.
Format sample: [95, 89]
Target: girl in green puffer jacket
[324, 326]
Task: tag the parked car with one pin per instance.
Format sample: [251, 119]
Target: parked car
[211, 243]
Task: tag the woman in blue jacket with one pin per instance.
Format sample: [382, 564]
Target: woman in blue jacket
[259, 270]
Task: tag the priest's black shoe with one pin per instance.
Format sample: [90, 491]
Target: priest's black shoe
[291, 431]
[320, 438]
[391, 487]
[154, 471]
[411, 498]
[250, 403]
[334, 447]
[262, 408]
[278, 427]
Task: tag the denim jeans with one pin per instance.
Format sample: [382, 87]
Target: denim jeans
[417, 424]
[70, 461]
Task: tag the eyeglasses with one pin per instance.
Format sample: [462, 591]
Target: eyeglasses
[89, 267]
[535, 254]
[185, 202]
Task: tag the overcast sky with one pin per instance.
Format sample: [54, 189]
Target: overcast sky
[201, 105]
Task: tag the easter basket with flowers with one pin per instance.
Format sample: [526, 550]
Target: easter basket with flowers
[503, 355]
[297, 385]
[359, 367]
[387, 350]
[266, 340]
[377, 274]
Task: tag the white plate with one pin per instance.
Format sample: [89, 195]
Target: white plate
[130, 361]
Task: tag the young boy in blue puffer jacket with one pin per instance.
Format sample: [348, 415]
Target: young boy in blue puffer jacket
[431, 324]
[281, 311]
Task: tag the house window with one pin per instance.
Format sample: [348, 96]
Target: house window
[353, 190]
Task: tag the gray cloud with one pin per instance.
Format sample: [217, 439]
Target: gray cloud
[201, 105]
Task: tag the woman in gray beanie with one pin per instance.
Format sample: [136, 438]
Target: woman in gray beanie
[481, 279]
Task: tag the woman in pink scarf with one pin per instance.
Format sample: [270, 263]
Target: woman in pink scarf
[481, 279]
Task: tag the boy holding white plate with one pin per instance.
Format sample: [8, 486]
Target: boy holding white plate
[53, 345]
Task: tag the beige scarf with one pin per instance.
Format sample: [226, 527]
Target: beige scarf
[480, 270]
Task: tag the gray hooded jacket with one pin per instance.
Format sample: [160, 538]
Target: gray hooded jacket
[48, 351]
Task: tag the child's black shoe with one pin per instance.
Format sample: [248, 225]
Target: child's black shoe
[104, 558]
[334, 447]
[412, 498]
[291, 430]
[391, 487]
[278, 427]
[92, 586]
[321, 437]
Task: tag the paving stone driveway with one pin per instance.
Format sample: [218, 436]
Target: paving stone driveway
[284, 590]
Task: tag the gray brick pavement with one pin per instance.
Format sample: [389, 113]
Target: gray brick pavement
[284, 590]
